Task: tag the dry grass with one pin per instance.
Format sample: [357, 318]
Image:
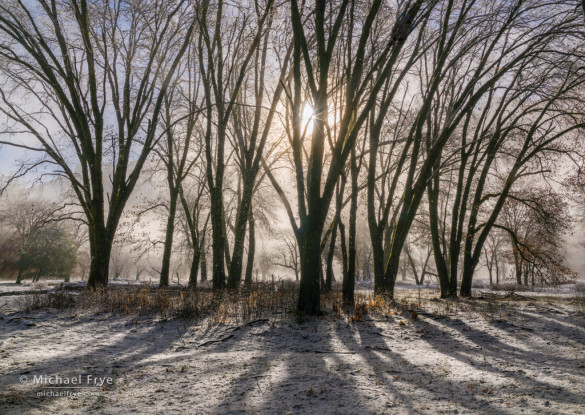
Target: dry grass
[261, 301]
[265, 300]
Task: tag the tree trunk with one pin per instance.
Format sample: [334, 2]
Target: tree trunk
[100, 248]
[218, 238]
[309, 301]
[344, 258]
[242, 218]
[251, 250]
[376, 233]
[349, 280]
[497, 269]
[195, 265]
[378, 261]
[168, 248]
[321, 275]
[381, 260]
[398, 241]
[413, 265]
[226, 248]
[440, 263]
[517, 267]
[472, 254]
[20, 275]
[329, 266]
[203, 260]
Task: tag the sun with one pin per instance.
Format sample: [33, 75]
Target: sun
[308, 119]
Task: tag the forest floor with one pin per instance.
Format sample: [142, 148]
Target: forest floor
[421, 355]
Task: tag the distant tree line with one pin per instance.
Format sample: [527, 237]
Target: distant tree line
[35, 243]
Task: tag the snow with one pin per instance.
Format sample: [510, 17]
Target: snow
[459, 357]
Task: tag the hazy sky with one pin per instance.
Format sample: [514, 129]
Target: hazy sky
[8, 157]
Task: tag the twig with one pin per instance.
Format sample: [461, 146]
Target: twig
[215, 341]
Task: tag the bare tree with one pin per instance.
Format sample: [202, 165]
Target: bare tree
[467, 58]
[223, 71]
[67, 65]
[40, 238]
[288, 256]
[535, 222]
[312, 61]
[181, 153]
[494, 256]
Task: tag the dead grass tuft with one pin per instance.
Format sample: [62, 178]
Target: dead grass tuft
[267, 300]
[260, 301]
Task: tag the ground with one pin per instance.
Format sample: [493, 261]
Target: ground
[485, 356]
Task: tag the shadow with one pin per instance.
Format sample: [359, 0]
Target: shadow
[70, 356]
[489, 353]
[291, 371]
[435, 364]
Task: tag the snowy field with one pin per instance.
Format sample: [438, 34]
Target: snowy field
[481, 357]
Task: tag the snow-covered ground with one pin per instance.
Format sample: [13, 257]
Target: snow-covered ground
[459, 357]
